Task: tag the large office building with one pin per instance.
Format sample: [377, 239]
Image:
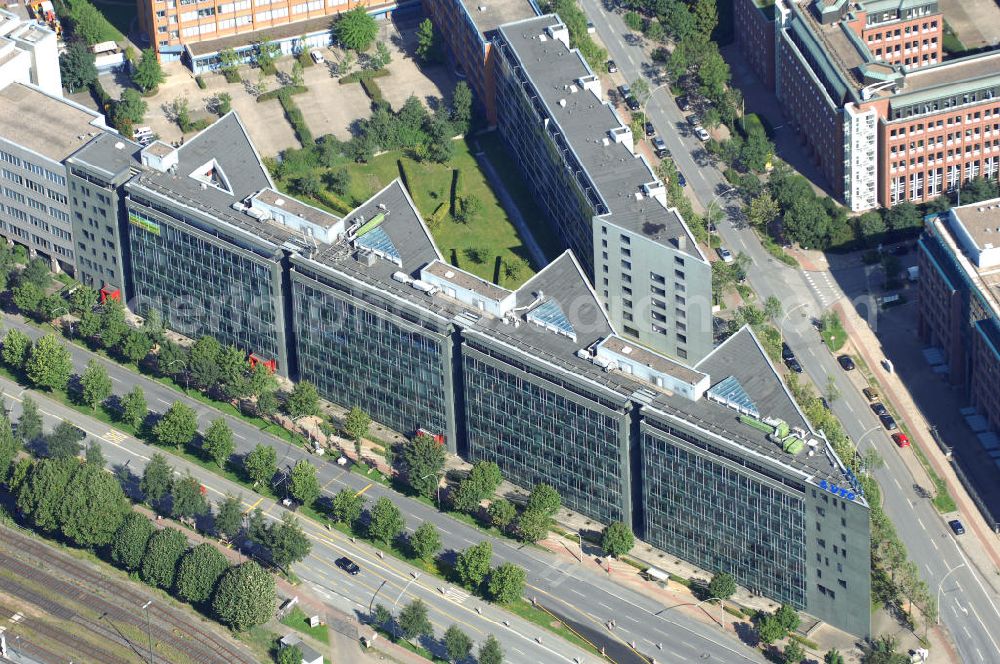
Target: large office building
[38, 134]
[29, 54]
[866, 86]
[959, 310]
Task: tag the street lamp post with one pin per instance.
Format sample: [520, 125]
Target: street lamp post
[708, 210]
[149, 632]
[437, 489]
[940, 584]
[415, 575]
[371, 604]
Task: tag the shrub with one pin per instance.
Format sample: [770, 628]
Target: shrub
[372, 90]
[200, 81]
[304, 59]
[362, 74]
[287, 90]
[294, 116]
[232, 75]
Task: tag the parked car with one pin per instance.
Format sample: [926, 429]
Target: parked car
[786, 351]
[957, 527]
[632, 103]
[846, 363]
[825, 403]
[317, 57]
[900, 439]
[591, 28]
[660, 147]
[887, 422]
[347, 565]
[650, 130]
[624, 91]
[870, 393]
[694, 120]
[879, 409]
[681, 180]
[793, 364]
[683, 104]
[725, 255]
[700, 132]
[612, 67]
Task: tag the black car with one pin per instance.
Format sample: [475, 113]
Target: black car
[347, 565]
[624, 91]
[846, 363]
[957, 527]
[682, 103]
[786, 352]
[612, 67]
[632, 103]
[879, 409]
[681, 180]
[660, 148]
[825, 403]
[650, 131]
[887, 422]
[793, 364]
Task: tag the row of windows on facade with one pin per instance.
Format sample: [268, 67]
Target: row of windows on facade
[33, 168]
[973, 97]
[13, 231]
[879, 35]
[989, 164]
[25, 217]
[976, 134]
[34, 186]
[897, 14]
[35, 204]
[941, 124]
[920, 188]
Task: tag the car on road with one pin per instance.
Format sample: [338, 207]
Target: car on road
[901, 439]
[624, 91]
[700, 132]
[612, 67]
[786, 351]
[650, 129]
[317, 57]
[879, 409]
[347, 565]
[632, 103]
[870, 393]
[957, 527]
[725, 255]
[887, 422]
[660, 148]
[793, 364]
[846, 363]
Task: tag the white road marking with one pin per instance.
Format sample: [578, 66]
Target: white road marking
[576, 592]
[898, 485]
[934, 544]
[922, 526]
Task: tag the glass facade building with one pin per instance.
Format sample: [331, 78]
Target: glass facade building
[204, 281]
[358, 353]
[540, 427]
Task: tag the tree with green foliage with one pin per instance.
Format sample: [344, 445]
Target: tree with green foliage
[356, 425]
[9, 446]
[16, 346]
[903, 215]
[501, 513]
[769, 630]
[870, 226]
[722, 585]
[425, 542]
[229, 61]
[485, 477]
[473, 564]
[424, 458]
[19, 474]
[128, 545]
[617, 539]
[64, 441]
[303, 400]
[833, 656]
[203, 362]
[544, 499]
[807, 222]
[261, 464]
[133, 408]
[287, 542]
[229, 517]
[413, 620]
[29, 425]
[49, 364]
[187, 499]
[793, 653]
[289, 655]
[76, 66]
[346, 506]
[428, 49]
[461, 107]
[381, 616]
[245, 597]
[163, 552]
[233, 367]
[440, 148]
[157, 479]
[148, 73]
[93, 507]
[505, 583]
[356, 29]
[466, 497]
[304, 484]
[884, 651]
[385, 521]
[382, 57]
[198, 572]
[787, 617]
[95, 384]
[217, 442]
[172, 359]
[113, 325]
[177, 427]
[28, 298]
[491, 652]
[265, 53]
[83, 299]
[129, 109]
[533, 525]
[135, 346]
[457, 643]
[37, 273]
[42, 492]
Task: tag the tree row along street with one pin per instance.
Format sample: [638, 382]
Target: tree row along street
[968, 605]
[581, 592]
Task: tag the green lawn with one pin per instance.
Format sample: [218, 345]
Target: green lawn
[119, 15]
[430, 186]
[299, 621]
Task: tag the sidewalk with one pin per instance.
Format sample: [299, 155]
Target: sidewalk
[986, 557]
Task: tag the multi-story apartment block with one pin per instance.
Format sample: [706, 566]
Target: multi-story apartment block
[38, 133]
[28, 54]
[865, 84]
[603, 199]
[959, 311]
[469, 31]
[175, 28]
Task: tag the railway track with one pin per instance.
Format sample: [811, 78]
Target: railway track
[74, 647]
[117, 602]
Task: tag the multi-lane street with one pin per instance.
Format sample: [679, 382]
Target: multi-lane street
[579, 592]
[968, 605]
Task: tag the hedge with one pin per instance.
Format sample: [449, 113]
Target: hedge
[287, 90]
[305, 59]
[294, 116]
[372, 90]
[362, 75]
[200, 81]
[232, 75]
[332, 201]
[456, 190]
[439, 213]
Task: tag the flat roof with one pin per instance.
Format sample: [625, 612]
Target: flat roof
[587, 121]
[488, 15]
[275, 33]
[110, 153]
[466, 280]
[652, 360]
[981, 221]
[298, 208]
[50, 126]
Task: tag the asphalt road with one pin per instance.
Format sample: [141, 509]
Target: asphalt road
[580, 590]
[968, 605]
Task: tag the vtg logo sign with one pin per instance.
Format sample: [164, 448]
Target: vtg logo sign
[836, 490]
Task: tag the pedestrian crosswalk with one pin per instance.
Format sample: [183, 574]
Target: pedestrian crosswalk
[456, 595]
[823, 286]
[115, 436]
